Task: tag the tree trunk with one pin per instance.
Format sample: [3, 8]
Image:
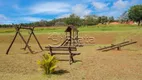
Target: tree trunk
[139, 22]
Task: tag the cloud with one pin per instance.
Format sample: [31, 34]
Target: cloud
[116, 9]
[5, 20]
[81, 10]
[114, 13]
[64, 16]
[31, 19]
[2, 17]
[120, 4]
[100, 5]
[50, 8]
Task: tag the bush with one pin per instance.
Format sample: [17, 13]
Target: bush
[48, 63]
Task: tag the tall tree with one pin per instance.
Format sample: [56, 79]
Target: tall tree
[104, 19]
[91, 20]
[111, 19]
[73, 20]
[135, 13]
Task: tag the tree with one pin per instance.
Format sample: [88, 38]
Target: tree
[73, 20]
[111, 19]
[104, 19]
[135, 13]
[91, 20]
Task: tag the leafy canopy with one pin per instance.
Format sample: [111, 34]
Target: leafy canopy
[135, 13]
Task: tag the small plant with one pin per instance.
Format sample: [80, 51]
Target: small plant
[48, 63]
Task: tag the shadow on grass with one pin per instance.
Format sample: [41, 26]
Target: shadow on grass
[60, 72]
[33, 52]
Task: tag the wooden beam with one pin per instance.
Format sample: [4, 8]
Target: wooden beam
[25, 42]
[37, 40]
[113, 45]
[119, 46]
[12, 42]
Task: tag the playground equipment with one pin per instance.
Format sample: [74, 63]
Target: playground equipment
[71, 37]
[69, 46]
[117, 46]
[64, 50]
[31, 29]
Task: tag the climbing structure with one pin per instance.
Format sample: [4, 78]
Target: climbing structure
[71, 37]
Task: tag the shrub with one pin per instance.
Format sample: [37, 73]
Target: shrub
[48, 63]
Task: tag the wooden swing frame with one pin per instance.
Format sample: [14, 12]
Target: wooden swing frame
[31, 29]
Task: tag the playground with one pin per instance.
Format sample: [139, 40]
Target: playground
[91, 64]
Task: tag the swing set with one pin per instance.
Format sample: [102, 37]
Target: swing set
[31, 30]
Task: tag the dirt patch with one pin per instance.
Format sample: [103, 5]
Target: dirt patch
[90, 65]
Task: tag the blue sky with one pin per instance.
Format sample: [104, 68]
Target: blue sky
[24, 11]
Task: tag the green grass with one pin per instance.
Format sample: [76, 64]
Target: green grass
[102, 28]
[109, 28]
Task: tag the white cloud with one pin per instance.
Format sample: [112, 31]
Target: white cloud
[64, 16]
[50, 8]
[100, 5]
[80, 10]
[116, 9]
[114, 13]
[120, 4]
[31, 19]
[2, 17]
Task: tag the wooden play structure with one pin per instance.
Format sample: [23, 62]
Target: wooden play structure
[62, 50]
[71, 37]
[69, 46]
[117, 46]
[31, 30]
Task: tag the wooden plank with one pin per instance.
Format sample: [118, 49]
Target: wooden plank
[122, 45]
[64, 53]
[113, 45]
[61, 48]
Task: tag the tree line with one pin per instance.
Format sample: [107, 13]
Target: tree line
[71, 20]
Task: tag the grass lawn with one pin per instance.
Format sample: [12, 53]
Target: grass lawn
[105, 28]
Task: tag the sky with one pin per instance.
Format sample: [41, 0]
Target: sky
[25, 11]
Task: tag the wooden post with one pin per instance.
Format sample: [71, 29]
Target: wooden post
[70, 39]
[37, 40]
[17, 31]
[50, 51]
[28, 41]
[77, 37]
[32, 29]
[73, 38]
[25, 42]
[118, 48]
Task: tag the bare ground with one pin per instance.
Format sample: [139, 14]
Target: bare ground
[90, 65]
